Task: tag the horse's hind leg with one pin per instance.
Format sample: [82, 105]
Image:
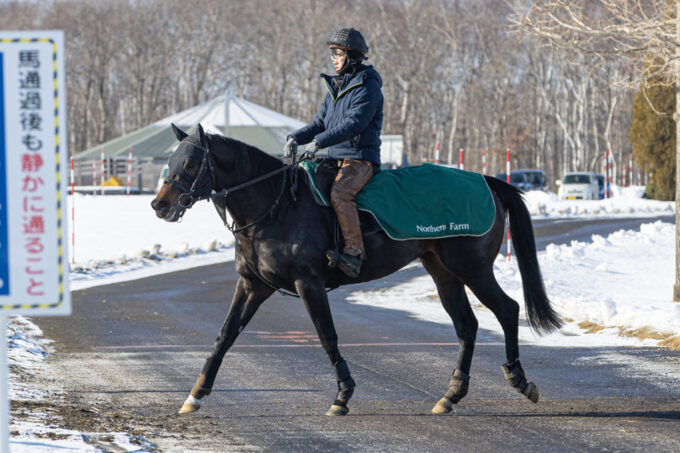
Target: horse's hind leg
[506, 310]
[313, 294]
[452, 294]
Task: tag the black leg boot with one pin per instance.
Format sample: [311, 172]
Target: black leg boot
[514, 374]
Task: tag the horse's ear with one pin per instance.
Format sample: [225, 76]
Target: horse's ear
[180, 134]
[201, 134]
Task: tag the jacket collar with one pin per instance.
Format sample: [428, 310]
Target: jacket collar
[348, 82]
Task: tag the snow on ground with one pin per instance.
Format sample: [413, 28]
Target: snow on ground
[36, 431]
[626, 202]
[119, 238]
[620, 282]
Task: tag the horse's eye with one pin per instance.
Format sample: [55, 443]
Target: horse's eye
[189, 164]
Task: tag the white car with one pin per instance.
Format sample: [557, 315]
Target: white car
[161, 178]
[579, 186]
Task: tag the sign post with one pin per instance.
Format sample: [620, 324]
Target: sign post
[33, 180]
[507, 177]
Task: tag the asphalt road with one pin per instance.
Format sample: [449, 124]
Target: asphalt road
[128, 356]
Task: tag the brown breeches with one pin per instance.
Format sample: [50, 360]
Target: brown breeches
[352, 177]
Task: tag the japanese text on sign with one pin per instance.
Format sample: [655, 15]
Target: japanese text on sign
[31, 215]
[31, 161]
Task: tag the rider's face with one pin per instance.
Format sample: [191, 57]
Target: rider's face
[339, 57]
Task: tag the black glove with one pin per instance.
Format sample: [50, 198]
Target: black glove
[312, 149]
[291, 147]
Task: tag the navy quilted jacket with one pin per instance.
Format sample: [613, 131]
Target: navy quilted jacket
[349, 120]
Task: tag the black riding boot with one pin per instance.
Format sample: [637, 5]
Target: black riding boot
[350, 265]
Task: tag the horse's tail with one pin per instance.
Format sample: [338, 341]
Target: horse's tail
[542, 317]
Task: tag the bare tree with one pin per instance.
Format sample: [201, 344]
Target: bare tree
[452, 72]
[615, 29]
[405, 35]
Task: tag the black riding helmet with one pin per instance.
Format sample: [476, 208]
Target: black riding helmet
[350, 40]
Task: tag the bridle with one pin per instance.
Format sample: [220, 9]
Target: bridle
[188, 197]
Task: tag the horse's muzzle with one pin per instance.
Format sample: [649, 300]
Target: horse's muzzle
[161, 207]
[166, 211]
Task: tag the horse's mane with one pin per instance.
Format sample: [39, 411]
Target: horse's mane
[240, 150]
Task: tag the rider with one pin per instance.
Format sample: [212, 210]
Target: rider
[349, 124]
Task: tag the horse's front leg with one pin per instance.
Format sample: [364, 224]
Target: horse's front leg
[248, 296]
[313, 294]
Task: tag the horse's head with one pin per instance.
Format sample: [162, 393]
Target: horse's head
[190, 176]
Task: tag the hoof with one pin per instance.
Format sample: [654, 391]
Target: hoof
[188, 408]
[190, 405]
[336, 410]
[531, 392]
[443, 406]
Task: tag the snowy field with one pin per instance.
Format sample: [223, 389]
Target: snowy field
[119, 238]
[614, 290]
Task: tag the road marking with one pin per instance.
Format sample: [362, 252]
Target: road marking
[295, 336]
[254, 346]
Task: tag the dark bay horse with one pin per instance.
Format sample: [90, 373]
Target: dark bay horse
[281, 243]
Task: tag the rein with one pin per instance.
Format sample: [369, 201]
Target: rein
[264, 215]
[270, 211]
[188, 198]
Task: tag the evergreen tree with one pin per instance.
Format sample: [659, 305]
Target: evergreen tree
[653, 138]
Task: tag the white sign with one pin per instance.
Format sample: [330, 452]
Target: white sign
[33, 157]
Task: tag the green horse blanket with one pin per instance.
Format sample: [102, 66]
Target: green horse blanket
[423, 202]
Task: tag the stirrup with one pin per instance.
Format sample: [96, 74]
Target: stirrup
[350, 265]
[333, 256]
